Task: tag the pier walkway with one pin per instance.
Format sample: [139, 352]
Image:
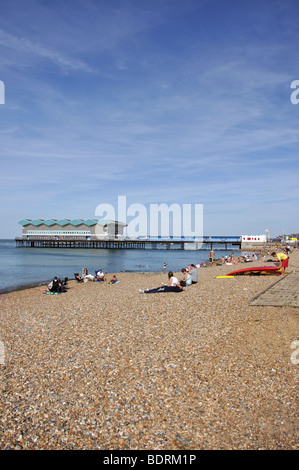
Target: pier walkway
[227, 243]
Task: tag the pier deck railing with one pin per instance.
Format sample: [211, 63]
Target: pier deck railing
[125, 243]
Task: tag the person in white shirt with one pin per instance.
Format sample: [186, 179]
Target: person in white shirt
[172, 286]
[101, 276]
[87, 277]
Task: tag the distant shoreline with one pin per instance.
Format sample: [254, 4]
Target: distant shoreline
[31, 285]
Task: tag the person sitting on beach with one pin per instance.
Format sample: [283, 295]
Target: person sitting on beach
[113, 280]
[186, 281]
[55, 285]
[84, 272]
[173, 286]
[87, 277]
[62, 285]
[78, 278]
[193, 273]
[101, 276]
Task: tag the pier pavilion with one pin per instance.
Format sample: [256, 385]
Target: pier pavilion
[71, 228]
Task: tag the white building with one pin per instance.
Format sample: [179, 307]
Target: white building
[254, 239]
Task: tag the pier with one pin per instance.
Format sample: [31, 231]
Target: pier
[208, 242]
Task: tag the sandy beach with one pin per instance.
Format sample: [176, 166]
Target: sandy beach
[105, 367]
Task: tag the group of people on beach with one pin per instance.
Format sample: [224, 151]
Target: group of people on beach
[57, 286]
[190, 276]
[99, 277]
[241, 259]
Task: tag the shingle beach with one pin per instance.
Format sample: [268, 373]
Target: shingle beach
[105, 367]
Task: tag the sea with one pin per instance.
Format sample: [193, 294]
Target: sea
[27, 267]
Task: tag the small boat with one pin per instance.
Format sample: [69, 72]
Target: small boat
[256, 270]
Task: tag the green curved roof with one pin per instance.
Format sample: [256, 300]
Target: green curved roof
[62, 222]
[24, 222]
[76, 222]
[90, 222]
[49, 222]
[36, 222]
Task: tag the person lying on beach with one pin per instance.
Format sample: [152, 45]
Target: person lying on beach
[186, 281]
[172, 286]
[113, 280]
[78, 278]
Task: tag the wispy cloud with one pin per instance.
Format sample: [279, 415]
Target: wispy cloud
[162, 102]
[27, 49]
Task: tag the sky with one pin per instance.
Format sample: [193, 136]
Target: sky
[160, 101]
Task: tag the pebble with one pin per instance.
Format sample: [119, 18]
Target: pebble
[103, 367]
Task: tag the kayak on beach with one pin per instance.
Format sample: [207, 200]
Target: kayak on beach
[256, 270]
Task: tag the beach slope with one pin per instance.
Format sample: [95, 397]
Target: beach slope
[104, 367]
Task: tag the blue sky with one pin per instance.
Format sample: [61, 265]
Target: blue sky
[167, 101]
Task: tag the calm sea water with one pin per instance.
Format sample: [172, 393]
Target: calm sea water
[21, 267]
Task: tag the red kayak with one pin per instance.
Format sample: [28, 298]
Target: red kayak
[257, 270]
